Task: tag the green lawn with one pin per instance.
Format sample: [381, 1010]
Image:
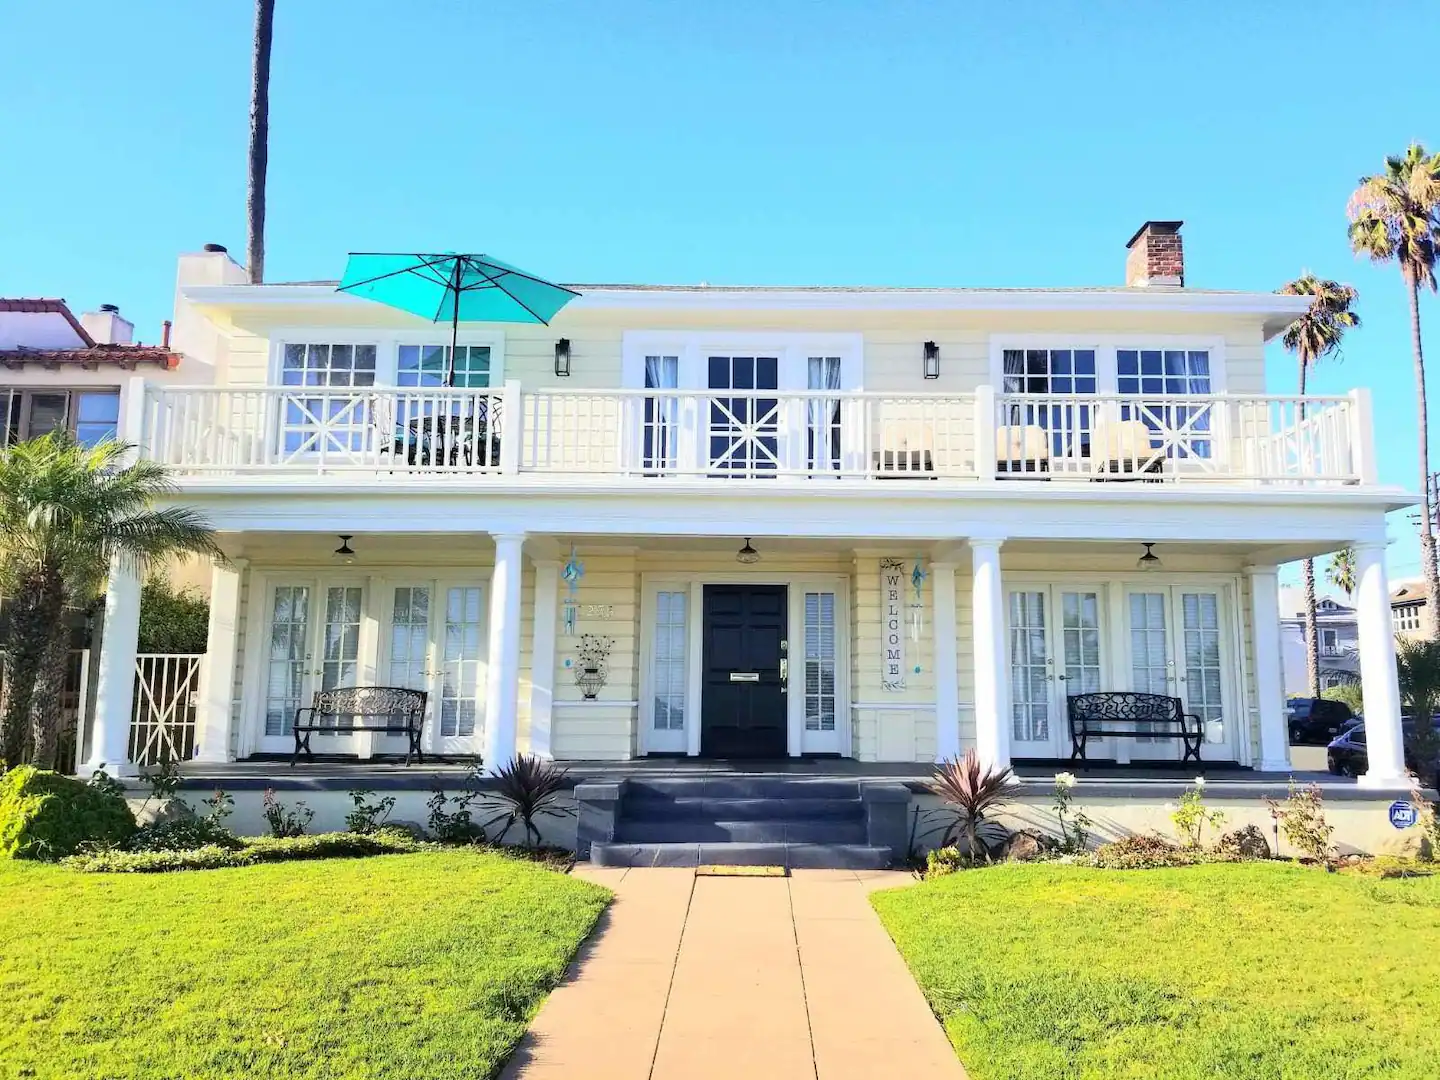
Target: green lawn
[415, 966]
[1253, 971]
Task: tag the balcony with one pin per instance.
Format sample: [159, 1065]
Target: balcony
[796, 438]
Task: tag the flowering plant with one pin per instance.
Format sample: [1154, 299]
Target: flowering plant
[1191, 816]
[1074, 826]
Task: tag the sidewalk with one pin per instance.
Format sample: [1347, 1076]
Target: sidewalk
[690, 977]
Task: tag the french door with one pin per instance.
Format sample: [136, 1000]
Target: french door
[435, 640]
[1057, 647]
[1177, 646]
[316, 639]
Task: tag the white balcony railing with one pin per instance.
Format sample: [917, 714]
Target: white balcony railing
[794, 436]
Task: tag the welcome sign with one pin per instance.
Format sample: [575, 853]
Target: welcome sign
[892, 625]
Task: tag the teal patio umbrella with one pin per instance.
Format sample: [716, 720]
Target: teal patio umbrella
[454, 288]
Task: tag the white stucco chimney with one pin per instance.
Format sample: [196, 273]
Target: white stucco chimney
[107, 327]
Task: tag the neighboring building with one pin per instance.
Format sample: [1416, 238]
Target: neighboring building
[1339, 642]
[949, 491]
[1407, 606]
[62, 372]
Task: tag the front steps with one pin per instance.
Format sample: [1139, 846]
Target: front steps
[739, 821]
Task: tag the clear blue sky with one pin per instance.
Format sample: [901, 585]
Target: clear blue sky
[749, 141]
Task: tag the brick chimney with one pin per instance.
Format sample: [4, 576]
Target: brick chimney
[1157, 257]
[107, 326]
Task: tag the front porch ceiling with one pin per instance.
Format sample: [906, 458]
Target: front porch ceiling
[462, 549]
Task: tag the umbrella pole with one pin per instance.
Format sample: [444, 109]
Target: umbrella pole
[454, 327]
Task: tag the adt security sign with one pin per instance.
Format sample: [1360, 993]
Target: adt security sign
[1403, 814]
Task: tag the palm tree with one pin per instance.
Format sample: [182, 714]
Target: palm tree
[1312, 337]
[67, 511]
[1395, 217]
[259, 140]
[1341, 571]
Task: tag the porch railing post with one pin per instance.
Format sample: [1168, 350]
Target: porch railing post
[1362, 437]
[512, 428]
[985, 432]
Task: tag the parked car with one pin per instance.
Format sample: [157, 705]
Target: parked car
[1315, 721]
[1346, 754]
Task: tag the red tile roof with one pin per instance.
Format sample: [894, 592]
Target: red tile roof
[123, 356]
[43, 306]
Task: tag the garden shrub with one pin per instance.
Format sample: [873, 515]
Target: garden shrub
[183, 834]
[942, 861]
[1302, 819]
[282, 820]
[1143, 853]
[250, 852]
[368, 816]
[44, 815]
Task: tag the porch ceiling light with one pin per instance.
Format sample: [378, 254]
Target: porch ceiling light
[932, 360]
[562, 357]
[747, 554]
[345, 553]
[1149, 561]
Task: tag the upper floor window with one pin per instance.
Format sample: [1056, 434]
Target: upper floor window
[328, 365]
[1162, 371]
[90, 415]
[429, 365]
[1049, 371]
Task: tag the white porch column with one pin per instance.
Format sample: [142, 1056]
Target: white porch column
[214, 715]
[947, 675]
[1384, 740]
[115, 685]
[502, 687]
[542, 655]
[992, 675]
[1269, 669]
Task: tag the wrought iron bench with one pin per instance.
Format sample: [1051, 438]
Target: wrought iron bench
[391, 710]
[1130, 715]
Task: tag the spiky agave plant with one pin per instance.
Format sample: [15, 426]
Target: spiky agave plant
[974, 789]
[527, 788]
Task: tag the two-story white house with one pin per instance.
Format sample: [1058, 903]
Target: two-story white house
[882, 524]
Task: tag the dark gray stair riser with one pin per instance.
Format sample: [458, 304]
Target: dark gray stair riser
[774, 831]
[742, 787]
[651, 808]
[795, 856]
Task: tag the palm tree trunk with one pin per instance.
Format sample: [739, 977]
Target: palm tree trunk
[46, 713]
[259, 140]
[38, 612]
[1427, 523]
[1312, 632]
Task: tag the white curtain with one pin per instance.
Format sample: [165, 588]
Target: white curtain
[661, 413]
[823, 413]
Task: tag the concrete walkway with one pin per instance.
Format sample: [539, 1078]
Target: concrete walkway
[690, 977]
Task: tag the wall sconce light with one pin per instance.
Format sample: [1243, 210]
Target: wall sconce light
[1149, 561]
[345, 553]
[932, 360]
[562, 357]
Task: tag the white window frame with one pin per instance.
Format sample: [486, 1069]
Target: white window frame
[387, 344]
[1106, 347]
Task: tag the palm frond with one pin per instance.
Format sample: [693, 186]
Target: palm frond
[1319, 332]
[1395, 215]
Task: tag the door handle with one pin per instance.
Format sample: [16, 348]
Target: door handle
[784, 669]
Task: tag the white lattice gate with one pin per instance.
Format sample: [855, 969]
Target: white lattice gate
[162, 721]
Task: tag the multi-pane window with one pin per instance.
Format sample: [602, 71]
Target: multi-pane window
[286, 662]
[460, 653]
[329, 424]
[1063, 372]
[1200, 625]
[744, 431]
[428, 365]
[341, 645]
[669, 660]
[410, 637]
[90, 415]
[1030, 669]
[1167, 374]
[820, 660]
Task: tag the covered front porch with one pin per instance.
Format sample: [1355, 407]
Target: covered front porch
[669, 652]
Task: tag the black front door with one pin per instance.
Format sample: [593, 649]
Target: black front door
[743, 700]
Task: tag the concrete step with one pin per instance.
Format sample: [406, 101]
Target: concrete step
[690, 808]
[770, 831]
[740, 787]
[794, 856]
